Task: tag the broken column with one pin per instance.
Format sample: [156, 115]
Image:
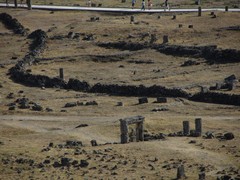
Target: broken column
[132, 19]
[180, 172]
[165, 39]
[186, 128]
[124, 131]
[61, 75]
[140, 133]
[198, 126]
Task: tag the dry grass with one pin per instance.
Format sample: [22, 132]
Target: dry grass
[25, 133]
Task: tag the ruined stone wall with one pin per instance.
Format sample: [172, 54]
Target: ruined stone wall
[217, 98]
[20, 74]
[211, 53]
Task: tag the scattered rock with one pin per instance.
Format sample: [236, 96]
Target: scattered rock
[190, 63]
[81, 125]
[91, 103]
[192, 142]
[160, 109]
[49, 109]
[88, 37]
[161, 100]
[12, 108]
[37, 107]
[142, 100]
[94, 142]
[83, 163]
[11, 96]
[209, 135]
[23, 103]
[65, 161]
[229, 136]
[70, 104]
[70, 143]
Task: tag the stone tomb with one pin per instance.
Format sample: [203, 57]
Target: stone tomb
[139, 132]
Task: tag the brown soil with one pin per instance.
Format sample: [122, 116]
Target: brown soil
[25, 133]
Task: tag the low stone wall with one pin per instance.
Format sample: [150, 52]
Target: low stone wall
[20, 74]
[12, 23]
[211, 53]
[217, 98]
[124, 45]
[130, 90]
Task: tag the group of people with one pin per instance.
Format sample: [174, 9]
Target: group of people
[166, 5]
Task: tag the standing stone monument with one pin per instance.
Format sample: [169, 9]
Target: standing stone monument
[198, 126]
[180, 172]
[165, 39]
[138, 120]
[132, 19]
[61, 75]
[186, 128]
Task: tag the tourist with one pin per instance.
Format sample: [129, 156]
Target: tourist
[166, 5]
[143, 5]
[149, 4]
[133, 3]
[89, 3]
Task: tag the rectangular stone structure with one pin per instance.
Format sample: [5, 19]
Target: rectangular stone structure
[165, 39]
[138, 120]
[161, 100]
[198, 126]
[186, 128]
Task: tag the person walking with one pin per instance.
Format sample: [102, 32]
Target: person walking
[149, 4]
[166, 5]
[143, 5]
[133, 3]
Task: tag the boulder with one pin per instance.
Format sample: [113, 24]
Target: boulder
[37, 107]
[65, 161]
[229, 136]
[83, 163]
[70, 104]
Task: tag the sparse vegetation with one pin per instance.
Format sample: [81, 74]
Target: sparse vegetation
[46, 133]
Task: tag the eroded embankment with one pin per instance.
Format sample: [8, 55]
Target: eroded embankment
[20, 74]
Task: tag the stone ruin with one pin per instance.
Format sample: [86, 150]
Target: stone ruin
[135, 135]
[194, 133]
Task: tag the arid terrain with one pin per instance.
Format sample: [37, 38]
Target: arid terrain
[46, 131]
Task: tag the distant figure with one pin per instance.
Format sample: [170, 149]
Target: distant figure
[149, 4]
[133, 3]
[143, 5]
[166, 5]
[197, 2]
[89, 3]
[7, 3]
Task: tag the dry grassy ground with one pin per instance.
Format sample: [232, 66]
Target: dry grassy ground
[156, 3]
[25, 133]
